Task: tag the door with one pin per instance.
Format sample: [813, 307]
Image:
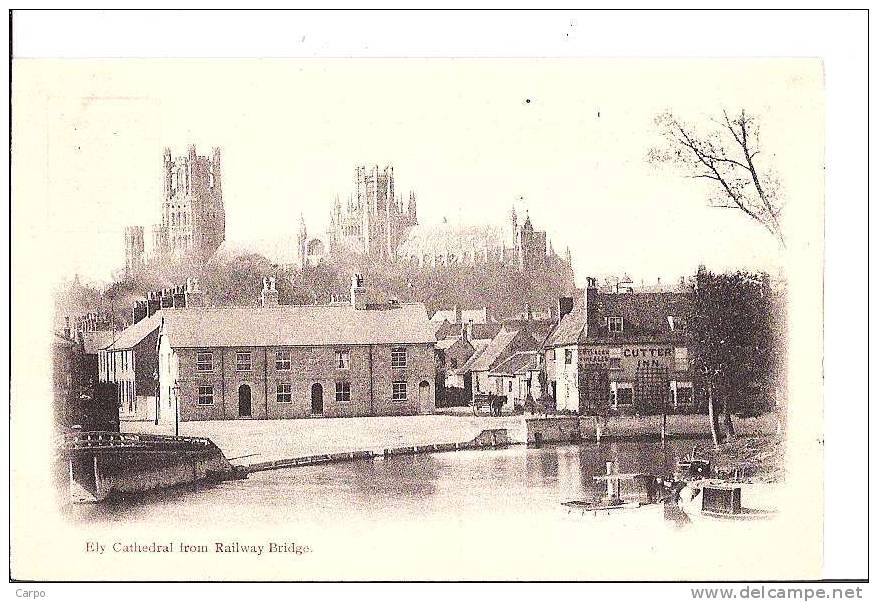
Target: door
[244, 406]
[316, 399]
[425, 403]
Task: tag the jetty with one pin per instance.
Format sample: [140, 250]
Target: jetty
[104, 463]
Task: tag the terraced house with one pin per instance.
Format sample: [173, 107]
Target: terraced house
[285, 361]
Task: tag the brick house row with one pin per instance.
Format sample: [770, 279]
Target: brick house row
[280, 361]
[273, 361]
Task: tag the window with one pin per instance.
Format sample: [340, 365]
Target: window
[510, 386]
[343, 391]
[551, 354]
[624, 394]
[205, 395]
[343, 360]
[282, 359]
[397, 357]
[243, 361]
[400, 391]
[681, 359]
[614, 324]
[284, 393]
[677, 323]
[568, 356]
[204, 361]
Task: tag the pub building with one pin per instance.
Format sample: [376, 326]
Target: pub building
[625, 348]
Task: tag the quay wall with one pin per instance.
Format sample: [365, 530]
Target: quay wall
[96, 476]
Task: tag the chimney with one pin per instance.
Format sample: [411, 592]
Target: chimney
[591, 296]
[469, 330]
[269, 292]
[193, 297]
[457, 317]
[179, 296]
[565, 306]
[466, 332]
[358, 292]
[153, 303]
[140, 311]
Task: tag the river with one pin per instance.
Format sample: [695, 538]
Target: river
[473, 514]
[471, 482]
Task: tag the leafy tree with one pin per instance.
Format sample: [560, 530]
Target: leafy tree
[734, 341]
[724, 153]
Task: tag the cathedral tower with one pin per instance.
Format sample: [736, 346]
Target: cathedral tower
[193, 216]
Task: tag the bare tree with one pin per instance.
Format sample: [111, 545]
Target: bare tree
[725, 153]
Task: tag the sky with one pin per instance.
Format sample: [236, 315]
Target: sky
[562, 139]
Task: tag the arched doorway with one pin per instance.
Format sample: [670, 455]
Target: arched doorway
[245, 408]
[316, 399]
[424, 401]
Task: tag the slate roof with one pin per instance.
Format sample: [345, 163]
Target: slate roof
[644, 315]
[131, 336]
[297, 325]
[517, 363]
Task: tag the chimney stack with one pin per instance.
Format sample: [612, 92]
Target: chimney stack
[358, 292]
[140, 311]
[269, 292]
[565, 306]
[179, 296]
[193, 297]
[591, 294]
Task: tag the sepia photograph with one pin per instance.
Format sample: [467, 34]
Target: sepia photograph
[446, 318]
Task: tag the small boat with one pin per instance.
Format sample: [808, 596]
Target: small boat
[629, 491]
[710, 499]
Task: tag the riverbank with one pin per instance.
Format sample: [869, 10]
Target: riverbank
[248, 442]
[759, 459]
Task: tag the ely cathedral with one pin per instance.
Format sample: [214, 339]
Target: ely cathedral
[378, 223]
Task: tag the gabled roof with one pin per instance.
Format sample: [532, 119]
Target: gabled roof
[517, 363]
[570, 330]
[479, 346]
[297, 325]
[496, 348]
[644, 316]
[131, 336]
[487, 330]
